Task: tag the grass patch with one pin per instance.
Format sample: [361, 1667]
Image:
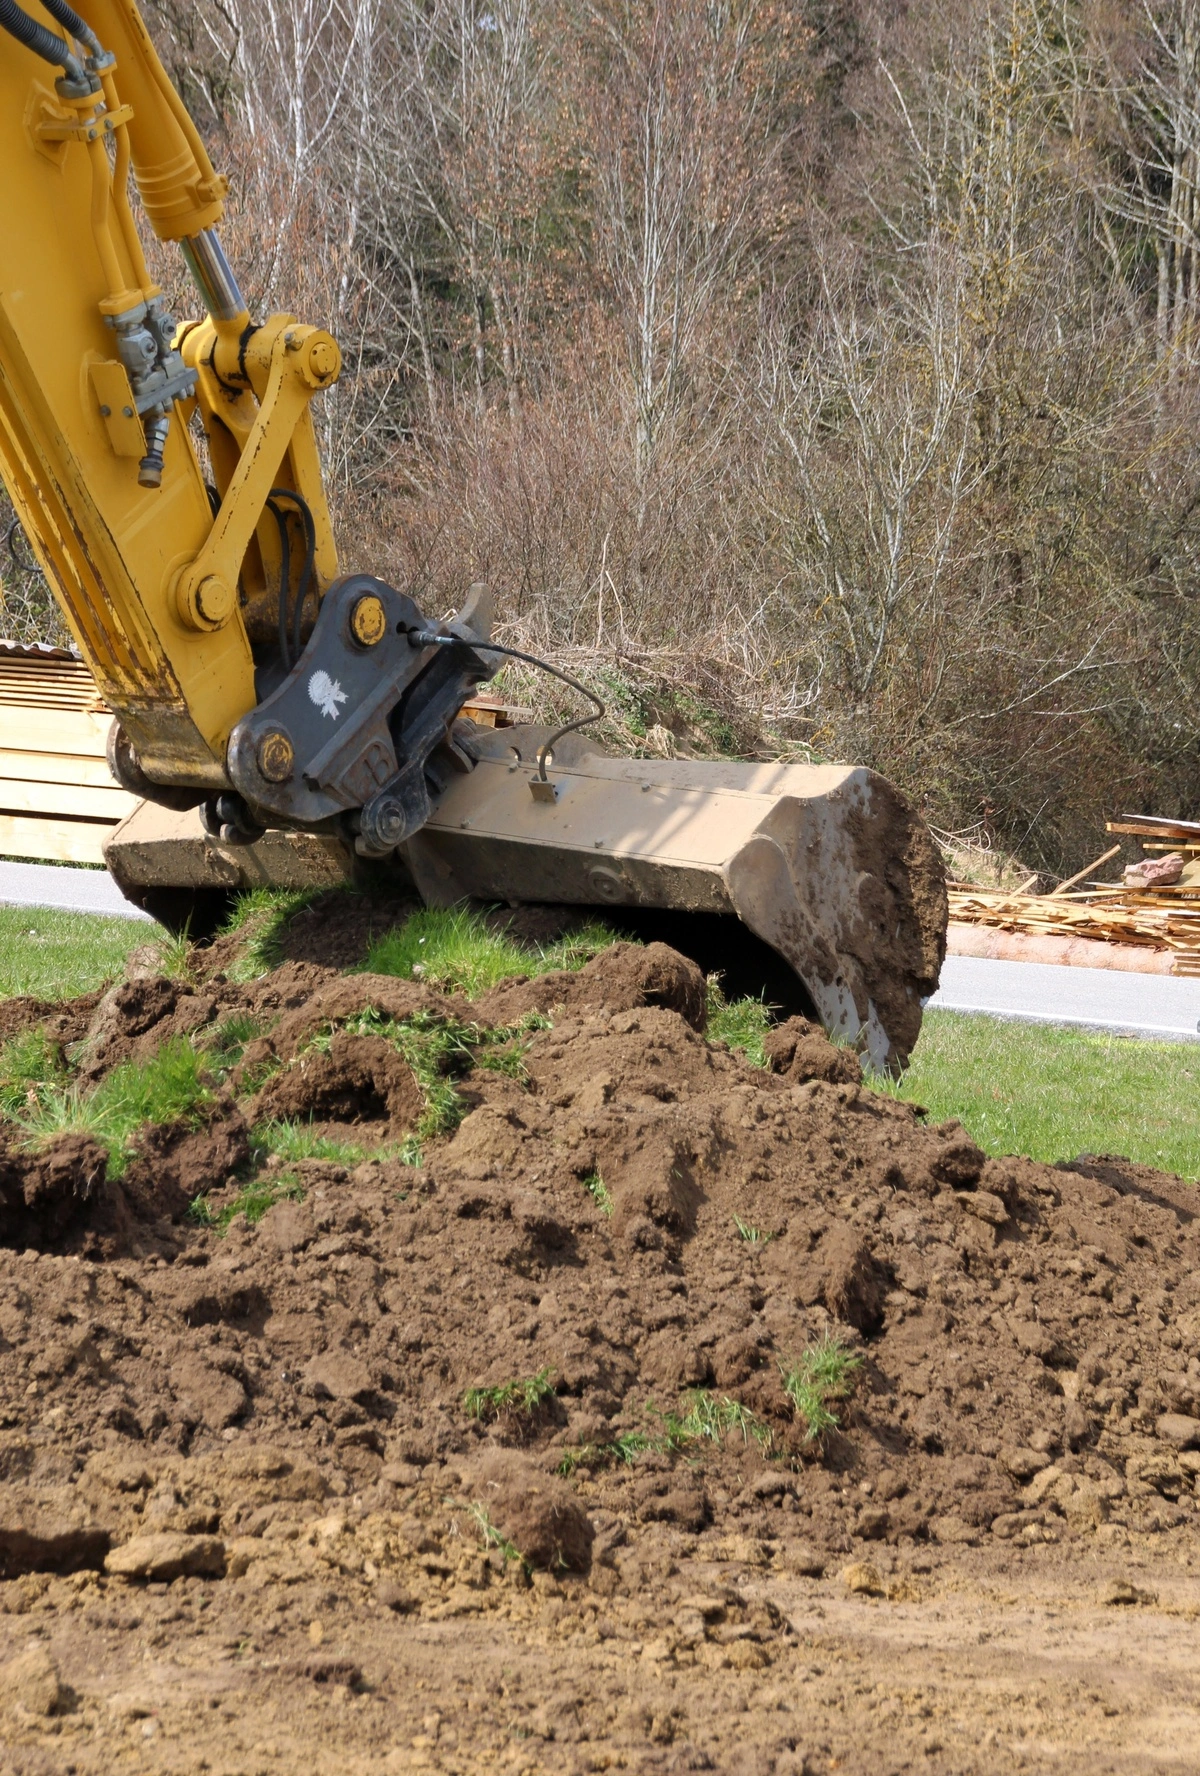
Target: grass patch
[1055, 1093]
[493, 1537]
[299, 1140]
[57, 955]
[260, 917]
[709, 1417]
[825, 1373]
[31, 1073]
[753, 1236]
[740, 1024]
[512, 1399]
[227, 1041]
[172, 1087]
[252, 1202]
[456, 948]
[598, 1190]
[624, 1449]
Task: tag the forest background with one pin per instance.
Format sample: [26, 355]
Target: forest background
[818, 378]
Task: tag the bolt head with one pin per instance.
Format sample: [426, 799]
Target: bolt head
[324, 358]
[368, 620]
[276, 756]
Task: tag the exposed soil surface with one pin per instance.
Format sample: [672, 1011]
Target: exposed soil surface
[488, 1462]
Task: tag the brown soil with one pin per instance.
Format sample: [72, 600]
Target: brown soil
[247, 1523]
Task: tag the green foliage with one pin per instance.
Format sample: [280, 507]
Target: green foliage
[260, 917]
[172, 1087]
[226, 1042]
[753, 1236]
[598, 1190]
[456, 949]
[299, 1140]
[741, 1024]
[173, 955]
[624, 1449]
[512, 1399]
[1055, 1093]
[31, 1071]
[252, 1202]
[824, 1373]
[492, 1537]
[56, 955]
[708, 1417]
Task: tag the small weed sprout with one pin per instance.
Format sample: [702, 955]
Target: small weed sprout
[598, 1190]
[753, 1236]
[624, 1449]
[493, 1537]
[512, 1399]
[824, 1373]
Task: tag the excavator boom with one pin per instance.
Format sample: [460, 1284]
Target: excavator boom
[284, 721]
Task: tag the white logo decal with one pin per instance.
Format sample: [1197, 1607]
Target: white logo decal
[326, 693]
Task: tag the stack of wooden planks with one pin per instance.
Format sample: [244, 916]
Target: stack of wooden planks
[58, 801]
[1161, 918]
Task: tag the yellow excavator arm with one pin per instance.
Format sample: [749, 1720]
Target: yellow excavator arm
[168, 479]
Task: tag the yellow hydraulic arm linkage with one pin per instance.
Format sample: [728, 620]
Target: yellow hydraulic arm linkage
[169, 482]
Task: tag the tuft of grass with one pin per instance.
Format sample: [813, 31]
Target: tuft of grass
[824, 1373]
[512, 1399]
[252, 1202]
[741, 1024]
[598, 1190]
[172, 1087]
[57, 955]
[493, 1537]
[753, 1236]
[1053, 1093]
[709, 1417]
[31, 1072]
[173, 955]
[261, 916]
[227, 1041]
[456, 949]
[299, 1140]
[624, 1449]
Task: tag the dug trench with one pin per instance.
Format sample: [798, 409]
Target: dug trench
[611, 1402]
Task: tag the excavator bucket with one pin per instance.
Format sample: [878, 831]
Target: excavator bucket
[828, 866]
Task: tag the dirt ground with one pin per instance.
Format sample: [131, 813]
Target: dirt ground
[259, 1511]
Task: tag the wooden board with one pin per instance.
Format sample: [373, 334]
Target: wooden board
[53, 841]
[83, 800]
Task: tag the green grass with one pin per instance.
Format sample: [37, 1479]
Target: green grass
[824, 1373]
[252, 1202]
[56, 955]
[741, 1024]
[458, 949]
[31, 1072]
[493, 1537]
[261, 916]
[170, 1088]
[299, 1140]
[753, 1236]
[1055, 1093]
[512, 1399]
[599, 1192]
[709, 1417]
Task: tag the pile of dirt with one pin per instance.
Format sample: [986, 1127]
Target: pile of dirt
[569, 1341]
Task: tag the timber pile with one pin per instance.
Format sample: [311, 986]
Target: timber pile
[1159, 918]
[58, 801]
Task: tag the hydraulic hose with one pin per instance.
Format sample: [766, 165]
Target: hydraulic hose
[17, 22]
[79, 28]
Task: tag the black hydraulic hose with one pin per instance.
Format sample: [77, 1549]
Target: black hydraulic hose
[17, 22]
[285, 575]
[79, 28]
[431, 638]
[310, 556]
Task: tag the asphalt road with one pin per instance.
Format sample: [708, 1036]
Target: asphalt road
[1163, 1006]
[71, 890]
[1151, 1005]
